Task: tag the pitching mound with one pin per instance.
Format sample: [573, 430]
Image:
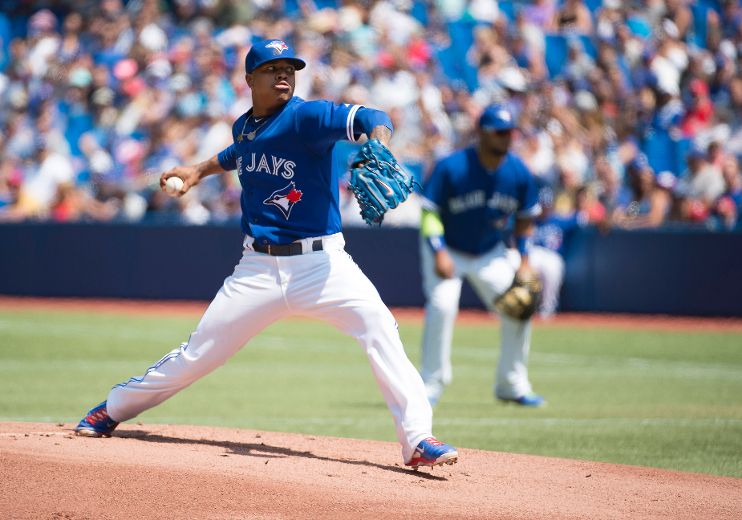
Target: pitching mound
[190, 472]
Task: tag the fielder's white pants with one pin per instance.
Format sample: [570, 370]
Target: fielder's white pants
[550, 267]
[263, 289]
[490, 275]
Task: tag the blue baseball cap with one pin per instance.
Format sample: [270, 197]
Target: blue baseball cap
[271, 50]
[497, 117]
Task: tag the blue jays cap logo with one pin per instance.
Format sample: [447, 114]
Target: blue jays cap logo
[284, 199]
[497, 117]
[270, 50]
[278, 46]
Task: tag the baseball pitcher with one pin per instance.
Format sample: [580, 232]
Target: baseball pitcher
[472, 200]
[294, 261]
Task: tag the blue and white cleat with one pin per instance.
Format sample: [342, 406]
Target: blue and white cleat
[531, 400]
[432, 452]
[97, 423]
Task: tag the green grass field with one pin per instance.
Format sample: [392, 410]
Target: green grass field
[662, 399]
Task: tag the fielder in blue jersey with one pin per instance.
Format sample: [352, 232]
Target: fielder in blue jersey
[472, 200]
[293, 261]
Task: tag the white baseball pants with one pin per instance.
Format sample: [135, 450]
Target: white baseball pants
[490, 275]
[550, 267]
[324, 284]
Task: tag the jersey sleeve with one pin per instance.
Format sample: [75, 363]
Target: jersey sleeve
[228, 158]
[322, 123]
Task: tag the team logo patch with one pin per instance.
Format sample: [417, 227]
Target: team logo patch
[284, 199]
[278, 47]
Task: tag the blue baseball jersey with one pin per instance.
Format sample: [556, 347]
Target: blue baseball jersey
[477, 206]
[285, 165]
[552, 231]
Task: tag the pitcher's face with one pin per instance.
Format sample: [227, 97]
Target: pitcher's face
[272, 85]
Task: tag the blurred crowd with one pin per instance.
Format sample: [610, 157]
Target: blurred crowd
[630, 113]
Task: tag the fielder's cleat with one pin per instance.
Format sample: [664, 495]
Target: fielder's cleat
[532, 400]
[432, 452]
[97, 423]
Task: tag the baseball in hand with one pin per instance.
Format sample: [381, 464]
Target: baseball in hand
[173, 185]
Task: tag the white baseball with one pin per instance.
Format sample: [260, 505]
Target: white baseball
[173, 185]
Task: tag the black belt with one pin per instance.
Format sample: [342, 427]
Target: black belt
[295, 248]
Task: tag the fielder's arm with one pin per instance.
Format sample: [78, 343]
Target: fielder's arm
[523, 234]
[431, 228]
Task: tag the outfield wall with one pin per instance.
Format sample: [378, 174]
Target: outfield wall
[668, 272]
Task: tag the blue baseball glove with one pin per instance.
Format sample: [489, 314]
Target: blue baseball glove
[378, 182]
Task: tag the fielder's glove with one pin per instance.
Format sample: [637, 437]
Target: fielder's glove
[522, 299]
[377, 181]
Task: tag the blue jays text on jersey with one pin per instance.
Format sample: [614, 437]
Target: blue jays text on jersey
[267, 164]
[476, 206]
[286, 170]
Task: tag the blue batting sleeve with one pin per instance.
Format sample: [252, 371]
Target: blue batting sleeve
[228, 158]
[368, 118]
[436, 243]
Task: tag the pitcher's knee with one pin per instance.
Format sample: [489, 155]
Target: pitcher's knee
[368, 321]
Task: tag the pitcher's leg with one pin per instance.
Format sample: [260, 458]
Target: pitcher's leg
[398, 380]
[247, 303]
[344, 297]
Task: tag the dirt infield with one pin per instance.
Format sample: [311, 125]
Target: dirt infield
[189, 472]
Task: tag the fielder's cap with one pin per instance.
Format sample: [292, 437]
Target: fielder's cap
[497, 117]
[270, 50]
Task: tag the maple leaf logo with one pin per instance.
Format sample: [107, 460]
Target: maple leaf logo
[294, 196]
[284, 199]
